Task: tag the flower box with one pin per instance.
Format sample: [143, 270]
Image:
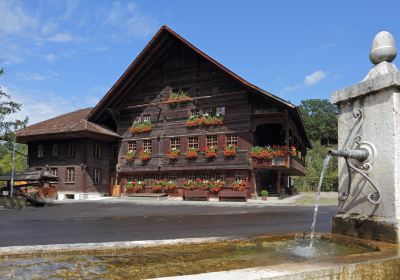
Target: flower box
[210, 152]
[264, 153]
[217, 186]
[178, 97]
[134, 187]
[204, 185]
[140, 126]
[192, 153]
[130, 156]
[229, 194]
[144, 155]
[239, 185]
[158, 186]
[170, 187]
[230, 151]
[173, 154]
[196, 194]
[193, 121]
[190, 185]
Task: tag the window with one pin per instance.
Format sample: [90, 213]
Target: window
[191, 176]
[147, 117]
[96, 176]
[193, 142]
[205, 176]
[171, 177]
[147, 145]
[96, 151]
[212, 141]
[207, 111]
[220, 111]
[175, 143]
[138, 119]
[240, 175]
[132, 146]
[232, 140]
[157, 176]
[54, 150]
[70, 175]
[220, 176]
[40, 151]
[54, 171]
[71, 150]
[194, 112]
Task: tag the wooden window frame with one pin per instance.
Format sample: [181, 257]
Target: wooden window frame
[194, 112]
[241, 175]
[220, 110]
[232, 139]
[205, 176]
[171, 177]
[40, 151]
[147, 145]
[97, 151]
[193, 142]
[175, 143]
[71, 150]
[54, 171]
[146, 117]
[220, 176]
[208, 111]
[191, 176]
[212, 141]
[132, 146]
[67, 177]
[97, 172]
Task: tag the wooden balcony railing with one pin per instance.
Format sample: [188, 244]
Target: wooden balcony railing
[290, 164]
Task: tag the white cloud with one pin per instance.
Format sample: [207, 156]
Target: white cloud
[14, 19]
[62, 37]
[129, 20]
[28, 76]
[50, 57]
[40, 106]
[314, 78]
[309, 80]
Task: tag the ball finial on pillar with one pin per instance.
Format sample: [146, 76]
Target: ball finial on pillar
[383, 48]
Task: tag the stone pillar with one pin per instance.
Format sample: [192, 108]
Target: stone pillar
[369, 118]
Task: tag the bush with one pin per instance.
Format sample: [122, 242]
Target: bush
[264, 193]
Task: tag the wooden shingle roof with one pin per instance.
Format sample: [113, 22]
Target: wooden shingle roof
[74, 122]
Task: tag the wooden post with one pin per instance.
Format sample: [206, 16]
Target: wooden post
[278, 183]
[253, 182]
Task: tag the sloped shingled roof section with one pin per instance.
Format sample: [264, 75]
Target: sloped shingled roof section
[133, 69]
[68, 123]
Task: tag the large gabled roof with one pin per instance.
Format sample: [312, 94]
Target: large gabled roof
[73, 122]
[135, 68]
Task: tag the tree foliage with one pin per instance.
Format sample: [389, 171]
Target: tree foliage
[7, 132]
[314, 160]
[320, 120]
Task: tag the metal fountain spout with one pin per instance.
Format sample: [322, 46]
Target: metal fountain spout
[360, 154]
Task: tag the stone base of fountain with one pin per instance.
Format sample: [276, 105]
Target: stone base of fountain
[361, 226]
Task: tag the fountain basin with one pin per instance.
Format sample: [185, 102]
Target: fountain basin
[260, 257]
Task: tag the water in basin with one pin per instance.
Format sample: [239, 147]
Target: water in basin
[141, 263]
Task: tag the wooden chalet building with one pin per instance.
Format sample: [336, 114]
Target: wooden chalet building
[172, 100]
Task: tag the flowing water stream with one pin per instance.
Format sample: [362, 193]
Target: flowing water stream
[321, 179]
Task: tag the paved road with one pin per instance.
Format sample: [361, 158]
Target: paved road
[104, 222]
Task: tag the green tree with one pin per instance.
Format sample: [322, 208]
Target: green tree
[320, 120]
[314, 161]
[7, 132]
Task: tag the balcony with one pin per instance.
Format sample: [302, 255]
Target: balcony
[289, 165]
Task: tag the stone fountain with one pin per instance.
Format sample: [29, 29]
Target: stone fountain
[369, 142]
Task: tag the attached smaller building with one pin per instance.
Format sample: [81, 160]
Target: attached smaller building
[82, 154]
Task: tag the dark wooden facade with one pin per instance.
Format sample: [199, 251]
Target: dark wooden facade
[169, 64]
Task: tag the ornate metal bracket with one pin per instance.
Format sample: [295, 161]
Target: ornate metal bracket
[361, 167]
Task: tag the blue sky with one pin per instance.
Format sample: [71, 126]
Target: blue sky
[59, 56]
